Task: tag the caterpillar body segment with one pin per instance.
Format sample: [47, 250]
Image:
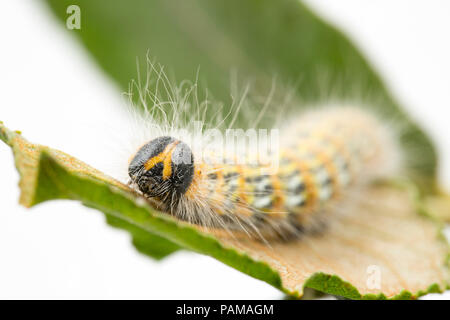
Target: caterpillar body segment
[323, 155]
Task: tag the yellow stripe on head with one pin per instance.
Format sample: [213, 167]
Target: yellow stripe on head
[165, 157]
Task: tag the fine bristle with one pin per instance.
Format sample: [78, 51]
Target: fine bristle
[289, 184]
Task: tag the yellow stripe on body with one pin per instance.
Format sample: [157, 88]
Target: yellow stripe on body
[304, 167]
[325, 159]
[278, 199]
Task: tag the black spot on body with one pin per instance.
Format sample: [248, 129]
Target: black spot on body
[231, 175]
[212, 176]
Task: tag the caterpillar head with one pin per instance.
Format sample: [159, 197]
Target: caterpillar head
[162, 168]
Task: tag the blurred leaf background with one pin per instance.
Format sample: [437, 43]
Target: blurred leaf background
[259, 39]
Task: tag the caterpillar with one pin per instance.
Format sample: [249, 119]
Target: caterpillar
[324, 155]
[291, 184]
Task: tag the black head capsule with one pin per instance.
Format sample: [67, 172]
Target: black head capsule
[162, 168]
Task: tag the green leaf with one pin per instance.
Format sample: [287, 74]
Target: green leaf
[391, 235]
[145, 242]
[27, 158]
[261, 39]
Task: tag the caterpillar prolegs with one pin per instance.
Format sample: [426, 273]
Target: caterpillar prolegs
[322, 157]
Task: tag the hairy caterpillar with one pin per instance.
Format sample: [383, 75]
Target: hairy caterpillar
[324, 155]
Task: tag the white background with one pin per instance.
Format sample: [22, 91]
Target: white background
[50, 89]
